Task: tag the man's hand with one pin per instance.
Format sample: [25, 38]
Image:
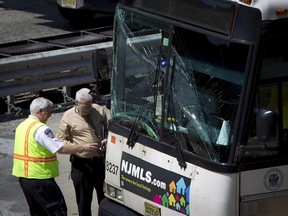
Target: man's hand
[90, 147]
[103, 145]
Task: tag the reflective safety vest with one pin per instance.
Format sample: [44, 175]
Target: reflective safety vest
[31, 160]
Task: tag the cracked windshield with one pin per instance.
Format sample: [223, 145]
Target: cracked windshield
[176, 85]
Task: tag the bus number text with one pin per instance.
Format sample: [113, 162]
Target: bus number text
[112, 168]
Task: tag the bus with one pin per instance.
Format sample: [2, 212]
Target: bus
[199, 109]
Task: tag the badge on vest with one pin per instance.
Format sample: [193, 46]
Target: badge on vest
[49, 133]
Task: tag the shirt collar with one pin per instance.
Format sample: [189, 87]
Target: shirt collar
[32, 116]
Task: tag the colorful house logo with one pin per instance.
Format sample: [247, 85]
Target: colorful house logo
[176, 198]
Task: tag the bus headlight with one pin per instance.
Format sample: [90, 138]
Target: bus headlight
[114, 192]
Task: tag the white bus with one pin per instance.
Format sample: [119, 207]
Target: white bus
[199, 109]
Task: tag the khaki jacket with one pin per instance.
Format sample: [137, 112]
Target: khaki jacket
[75, 130]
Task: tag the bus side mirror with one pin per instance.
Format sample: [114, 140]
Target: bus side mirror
[266, 124]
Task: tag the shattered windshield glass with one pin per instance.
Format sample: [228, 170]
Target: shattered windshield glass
[176, 85]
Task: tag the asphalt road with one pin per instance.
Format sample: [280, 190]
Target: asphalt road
[22, 20]
[31, 19]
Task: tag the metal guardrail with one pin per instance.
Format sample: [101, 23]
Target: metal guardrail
[35, 72]
[27, 68]
[62, 61]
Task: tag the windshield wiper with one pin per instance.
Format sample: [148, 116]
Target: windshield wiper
[132, 135]
[153, 87]
[179, 150]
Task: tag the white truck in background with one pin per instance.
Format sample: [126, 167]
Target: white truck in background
[82, 11]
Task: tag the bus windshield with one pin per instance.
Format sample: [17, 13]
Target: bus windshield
[177, 85]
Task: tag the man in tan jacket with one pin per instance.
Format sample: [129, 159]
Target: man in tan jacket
[85, 123]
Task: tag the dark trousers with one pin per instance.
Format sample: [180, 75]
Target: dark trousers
[44, 197]
[87, 175]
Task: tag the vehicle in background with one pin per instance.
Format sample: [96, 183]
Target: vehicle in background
[199, 109]
[79, 11]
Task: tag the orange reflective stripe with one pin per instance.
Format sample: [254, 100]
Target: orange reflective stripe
[26, 147]
[35, 159]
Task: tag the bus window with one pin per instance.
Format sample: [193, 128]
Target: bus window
[177, 86]
[137, 87]
[205, 85]
[272, 96]
[285, 105]
[271, 134]
[284, 145]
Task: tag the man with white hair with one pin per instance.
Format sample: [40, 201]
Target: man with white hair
[35, 162]
[86, 122]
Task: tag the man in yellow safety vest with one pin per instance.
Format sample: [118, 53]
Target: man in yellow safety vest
[35, 162]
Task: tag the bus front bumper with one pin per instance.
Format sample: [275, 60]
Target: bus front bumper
[110, 208]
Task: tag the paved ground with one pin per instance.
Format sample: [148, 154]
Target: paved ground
[33, 19]
[22, 20]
